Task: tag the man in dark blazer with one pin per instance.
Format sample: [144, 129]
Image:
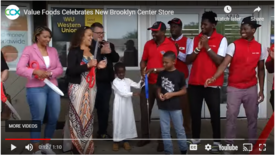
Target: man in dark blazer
[106, 51]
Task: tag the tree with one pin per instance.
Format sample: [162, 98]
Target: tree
[131, 35]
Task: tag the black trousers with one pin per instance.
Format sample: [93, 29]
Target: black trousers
[196, 94]
[271, 100]
[102, 104]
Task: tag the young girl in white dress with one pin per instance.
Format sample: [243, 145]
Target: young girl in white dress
[124, 125]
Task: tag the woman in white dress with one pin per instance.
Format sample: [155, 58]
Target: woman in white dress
[124, 125]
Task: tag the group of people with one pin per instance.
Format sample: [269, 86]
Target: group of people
[181, 73]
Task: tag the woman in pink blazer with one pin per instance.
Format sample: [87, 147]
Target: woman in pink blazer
[39, 95]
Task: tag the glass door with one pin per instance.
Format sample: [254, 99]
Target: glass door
[230, 29]
[190, 20]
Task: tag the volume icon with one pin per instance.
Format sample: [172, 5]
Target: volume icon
[29, 147]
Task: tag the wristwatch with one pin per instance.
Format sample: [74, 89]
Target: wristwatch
[155, 70]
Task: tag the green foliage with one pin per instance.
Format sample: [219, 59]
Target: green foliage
[131, 35]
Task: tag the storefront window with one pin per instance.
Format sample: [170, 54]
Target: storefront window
[64, 26]
[122, 31]
[190, 24]
[231, 30]
[14, 36]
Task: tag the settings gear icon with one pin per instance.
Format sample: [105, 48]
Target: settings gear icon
[208, 147]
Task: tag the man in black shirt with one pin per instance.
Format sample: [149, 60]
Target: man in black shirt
[104, 77]
[171, 86]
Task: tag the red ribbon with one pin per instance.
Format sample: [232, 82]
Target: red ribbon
[3, 96]
[90, 78]
[264, 135]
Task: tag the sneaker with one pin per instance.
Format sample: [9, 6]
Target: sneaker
[126, 146]
[215, 149]
[46, 149]
[37, 152]
[115, 146]
[193, 141]
[104, 136]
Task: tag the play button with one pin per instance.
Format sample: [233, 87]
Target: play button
[13, 147]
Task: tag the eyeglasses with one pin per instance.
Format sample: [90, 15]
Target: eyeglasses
[99, 33]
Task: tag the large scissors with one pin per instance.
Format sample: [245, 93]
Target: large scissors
[5, 100]
[46, 81]
[147, 99]
[91, 77]
[146, 85]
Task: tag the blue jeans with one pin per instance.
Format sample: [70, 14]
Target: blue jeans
[177, 119]
[40, 98]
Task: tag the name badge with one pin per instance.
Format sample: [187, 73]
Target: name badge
[181, 48]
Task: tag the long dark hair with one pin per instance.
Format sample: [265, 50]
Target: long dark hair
[78, 37]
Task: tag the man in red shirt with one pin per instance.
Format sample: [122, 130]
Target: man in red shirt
[183, 44]
[270, 68]
[244, 56]
[207, 52]
[152, 61]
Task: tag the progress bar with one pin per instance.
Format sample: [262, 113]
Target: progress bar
[104, 139]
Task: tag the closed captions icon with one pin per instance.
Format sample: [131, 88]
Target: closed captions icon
[227, 9]
[193, 147]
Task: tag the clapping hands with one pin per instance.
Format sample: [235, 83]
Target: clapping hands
[165, 96]
[203, 42]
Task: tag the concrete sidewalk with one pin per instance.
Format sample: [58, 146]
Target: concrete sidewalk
[105, 147]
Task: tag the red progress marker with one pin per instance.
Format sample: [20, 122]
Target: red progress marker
[264, 135]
